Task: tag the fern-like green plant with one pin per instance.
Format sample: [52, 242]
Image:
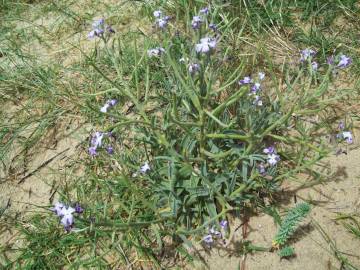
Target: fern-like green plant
[290, 224]
[286, 252]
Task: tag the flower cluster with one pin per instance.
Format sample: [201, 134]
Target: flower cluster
[66, 214]
[192, 66]
[110, 103]
[272, 157]
[199, 19]
[342, 61]
[96, 142]
[307, 55]
[161, 21]
[196, 22]
[206, 45]
[255, 87]
[99, 28]
[215, 234]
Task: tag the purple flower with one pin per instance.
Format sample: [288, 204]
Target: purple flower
[212, 231]
[67, 221]
[110, 103]
[92, 151]
[208, 239]
[110, 150]
[330, 60]
[272, 159]
[341, 125]
[246, 80]
[92, 34]
[95, 33]
[204, 10]
[257, 101]
[157, 13]
[213, 27]
[256, 87]
[57, 208]
[67, 211]
[161, 23]
[67, 217]
[205, 45]
[96, 140]
[98, 23]
[223, 224]
[98, 27]
[97, 137]
[66, 214]
[144, 168]
[196, 22]
[347, 135]
[99, 32]
[269, 150]
[110, 29]
[307, 54]
[314, 66]
[104, 108]
[344, 61]
[194, 67]
[78, 208]
[155, 52]
[262, 169]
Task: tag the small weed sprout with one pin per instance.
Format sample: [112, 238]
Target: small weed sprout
[288, 227]
[286, 252]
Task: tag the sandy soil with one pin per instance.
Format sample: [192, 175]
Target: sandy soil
[38, 185]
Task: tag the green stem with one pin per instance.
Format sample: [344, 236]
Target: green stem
[277, 123]
[231, 100]
[218, 155]
[228, 136]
